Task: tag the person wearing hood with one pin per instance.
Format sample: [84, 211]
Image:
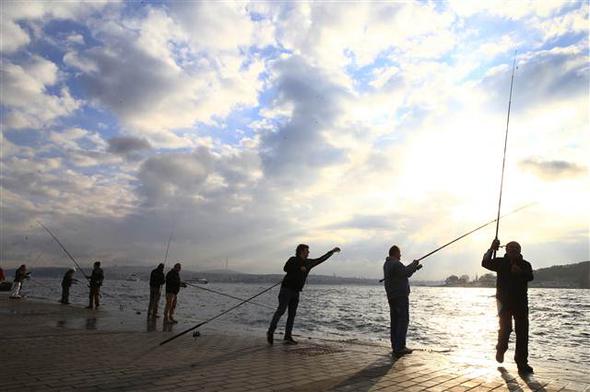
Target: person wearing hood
[397, 288]
[19, 277]
[513, 275]
[66, 283]
[297, 269]
[157, 279]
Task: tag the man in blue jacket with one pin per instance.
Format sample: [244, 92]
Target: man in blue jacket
[397, 288]
[297, 269]
[513, 275]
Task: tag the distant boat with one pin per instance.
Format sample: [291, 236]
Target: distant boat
[199, 280]
[132, 278]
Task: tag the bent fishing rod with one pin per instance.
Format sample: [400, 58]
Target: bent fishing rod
[470, 232]
[72, 257]
[504, 155]
[64, 249]
[219, 315]
[228, 295]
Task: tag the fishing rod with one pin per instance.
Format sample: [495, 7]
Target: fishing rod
[504, 156]
[219, 315]
[471, 232]
[72, 258]
[168, 247]
[228, 295]
[64, 249]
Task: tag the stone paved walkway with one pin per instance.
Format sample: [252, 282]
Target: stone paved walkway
[47, 347]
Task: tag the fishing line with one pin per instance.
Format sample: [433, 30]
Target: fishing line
[228, 295]
[219, 315]
[505, 146]
[471, 232]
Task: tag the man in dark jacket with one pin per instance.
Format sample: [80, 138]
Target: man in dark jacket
[96, 280]
[297, 269]
[66, 283]
[173, 285]
[19, 277]
[397, 288]
[513, 275]
[157, 279]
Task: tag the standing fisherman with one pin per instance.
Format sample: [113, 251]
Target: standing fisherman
[157, 279]
[397, 288]
[95, 282]
[66, 283]
[514, 273]
[173, 285]
[297, 269]
[19, 277]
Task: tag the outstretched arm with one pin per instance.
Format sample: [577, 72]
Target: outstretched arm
[310, 263]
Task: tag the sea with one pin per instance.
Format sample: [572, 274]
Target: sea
[459, 321]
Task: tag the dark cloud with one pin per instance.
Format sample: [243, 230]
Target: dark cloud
[553, 170]
[167, 177]
[294, 152]
[127, 145]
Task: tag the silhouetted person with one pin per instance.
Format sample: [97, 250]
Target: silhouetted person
[173, 285]
[397, 288]
[297, 269]
[66, 283]
[95, 282]
[2, 277]
[513, 275]
[157, 279]
[19, 277]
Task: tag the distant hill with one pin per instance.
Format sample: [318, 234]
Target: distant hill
[569, 275]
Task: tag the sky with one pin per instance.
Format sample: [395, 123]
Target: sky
[241, 129]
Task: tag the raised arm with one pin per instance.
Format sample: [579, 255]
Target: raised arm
[487, 262]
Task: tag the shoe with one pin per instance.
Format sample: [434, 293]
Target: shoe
[270, 337]
[499, 356]
[525, 369]
[289, 340]
[89, 307]
[402, 352]
[173, 321]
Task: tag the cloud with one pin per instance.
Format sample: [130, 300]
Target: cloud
[127, 144]
[295, 151]
[148, 75]
[16, 15]
[25, 93]
[553, 170]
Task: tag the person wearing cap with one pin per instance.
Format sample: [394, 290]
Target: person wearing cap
[297, 269]
[173, 285]
[66, 283]
[19, 277]
[513, 275]
[397, 288]
[157, 279]
[96, 280]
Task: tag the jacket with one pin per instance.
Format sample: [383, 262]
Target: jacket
[396, 277]
[295, 278]
[511, 288]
